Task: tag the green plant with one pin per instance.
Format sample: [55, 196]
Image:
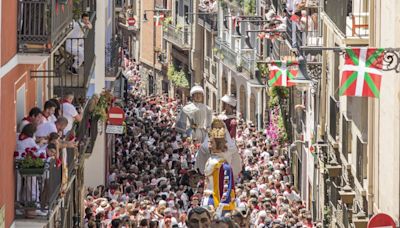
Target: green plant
[178, 28]
[30, 204]
[263, 69]
[77, 9]
[32, 162]
[249, 7]
[178, 78]
[167, 21]
[105, 100]
[327, 215]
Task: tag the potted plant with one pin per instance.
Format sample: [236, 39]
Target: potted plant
[31, 165]
[30, 210]
[239, 68]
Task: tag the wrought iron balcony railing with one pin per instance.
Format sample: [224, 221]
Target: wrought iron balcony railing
[248, 62]
[37, 193]
[179, 36]
[208, 21]
[87, 129]
[42, 24]
[228, 56]
[80, 54]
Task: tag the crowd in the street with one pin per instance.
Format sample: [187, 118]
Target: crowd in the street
[153, 182]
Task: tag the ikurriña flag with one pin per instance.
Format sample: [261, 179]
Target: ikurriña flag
[362, 72]
[280, 72]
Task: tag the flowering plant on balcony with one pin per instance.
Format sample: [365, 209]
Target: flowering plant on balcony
[104, 102]
[32, 163]
[277, 129]
[178, 78]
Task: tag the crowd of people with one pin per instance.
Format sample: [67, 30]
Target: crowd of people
[153, 181]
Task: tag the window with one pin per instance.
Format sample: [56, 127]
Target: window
[176, 11]
[186, 15]
[346, 138]
[180, 8]
[336, 72]
[209, 43]
[333, 117]
[361, 169]
[207, 96]
[39, 92]
[20, 105]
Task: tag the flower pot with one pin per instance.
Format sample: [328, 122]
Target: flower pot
[31, 171]
[347, 197]
[30, 213]
[334, 170]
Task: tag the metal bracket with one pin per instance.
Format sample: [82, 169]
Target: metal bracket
[44, 74]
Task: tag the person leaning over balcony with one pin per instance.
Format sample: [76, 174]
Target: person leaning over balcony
[69, 112]
[75, 45]
[26, 141]
[35, 116]
[48, 112]
[45, 129]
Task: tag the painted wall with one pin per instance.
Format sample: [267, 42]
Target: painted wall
[8, 44]
[387, 156]
[15, 79]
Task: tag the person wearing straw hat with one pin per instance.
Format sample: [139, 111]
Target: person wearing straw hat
[195, 117]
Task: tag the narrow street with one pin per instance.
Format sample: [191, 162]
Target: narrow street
[199, 114]
[153, 178]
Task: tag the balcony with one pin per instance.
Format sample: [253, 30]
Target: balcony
[248, 62]
[178, 36]
[64, 60]
[87, 129]
[37, 194]
[352, 22]
[208, 21]
[42, 25]
[228, 56]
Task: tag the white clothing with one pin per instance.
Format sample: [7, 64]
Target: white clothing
[291, 5]
[44, 129]
[51, 118]
[231, 155]
[69, 112]
[76, 46]
[198, 115]
[22, 145]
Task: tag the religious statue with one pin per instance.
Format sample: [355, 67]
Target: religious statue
[195, 117]
[232, 155]
[219, 178]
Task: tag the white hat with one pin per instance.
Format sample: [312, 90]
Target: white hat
[230, 100]
[196, 89]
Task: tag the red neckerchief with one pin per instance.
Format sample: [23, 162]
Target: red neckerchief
[63, 101]
[45, 116]
[22, 137]
[28, 118]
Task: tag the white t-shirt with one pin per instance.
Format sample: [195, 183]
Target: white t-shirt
[44, 129]
[22, 144]
[51, 118]
[69, 112]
